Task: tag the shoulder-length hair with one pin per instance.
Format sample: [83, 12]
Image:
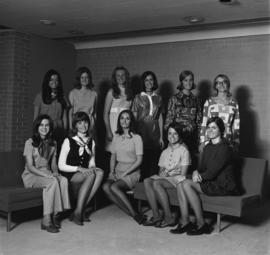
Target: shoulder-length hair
[115, 88]
[47, 90]
[36, 136]
[77, 117]
[143, 77]
[219, 122]
[132, 126]
[180, 130]
[182, 76]
[226, 80]
[78, 75]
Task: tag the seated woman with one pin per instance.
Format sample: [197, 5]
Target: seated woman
[77, 163]
[173, 163]
[215, 177]
[126, 158]
[41, 172]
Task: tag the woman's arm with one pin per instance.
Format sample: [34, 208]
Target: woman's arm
[62, 162]
[170, 113]
[36, 111]
[92, 161]
[64, 119]
[112, 165]
[70, 111]
[160, 124]
[106, 114]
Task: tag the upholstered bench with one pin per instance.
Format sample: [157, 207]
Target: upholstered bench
[250, 172]
[13, 195]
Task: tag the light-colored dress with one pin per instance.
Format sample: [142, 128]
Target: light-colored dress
[55, 190]
[229, 113]
[84, 102]
[127, 149]
[173, 158]
[118, 105]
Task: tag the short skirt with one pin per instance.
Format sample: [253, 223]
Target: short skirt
[131, 179]
[174, 180]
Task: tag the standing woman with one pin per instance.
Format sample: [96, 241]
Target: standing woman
[214, 177]
[83, 98]
[147, 109]
[185, 108]
[51, 101]
[77, 163]
[225, 107]
[41, 172]
[118, 98]
[126, 158]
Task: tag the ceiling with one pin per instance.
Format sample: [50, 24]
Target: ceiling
[97, 18]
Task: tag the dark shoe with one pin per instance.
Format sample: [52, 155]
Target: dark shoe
[50, 228]
[86, 217]
[205, 229]
[182, 229]
[76, 219]
[151, 222]
[139, 218]
[56, 221]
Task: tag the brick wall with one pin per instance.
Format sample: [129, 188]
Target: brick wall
[244, 59]
[14, 59]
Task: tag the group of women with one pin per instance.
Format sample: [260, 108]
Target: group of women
[134, 141]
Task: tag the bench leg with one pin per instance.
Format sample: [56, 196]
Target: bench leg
[8, 221]
[218, 222]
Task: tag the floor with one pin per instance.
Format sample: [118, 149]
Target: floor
[112, 232]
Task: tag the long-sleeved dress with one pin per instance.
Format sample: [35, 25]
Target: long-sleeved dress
[217, 171]
[229, 113]
[55, 189]
[148, 110]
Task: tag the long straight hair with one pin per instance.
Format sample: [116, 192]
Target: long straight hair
[132, 126]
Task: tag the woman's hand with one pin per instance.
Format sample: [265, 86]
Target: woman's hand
[161, 143]
[196, 177]
[85, 171]
[201, 146]
[109, 136]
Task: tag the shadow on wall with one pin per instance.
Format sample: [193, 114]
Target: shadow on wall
[249, 141]
[104, 87]
[166, 90]
[136, 85]
[204, 88]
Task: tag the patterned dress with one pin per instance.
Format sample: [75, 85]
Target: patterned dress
[229, 113]
[186, 110]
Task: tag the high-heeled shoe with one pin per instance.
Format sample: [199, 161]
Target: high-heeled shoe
[139, 218]
[180, 229]
[151, 222]
[76, 219]
[50, 228]
[204, 229]
[56, 221]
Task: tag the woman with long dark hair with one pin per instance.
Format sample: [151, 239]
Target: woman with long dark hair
[51, 101]
[41, 172]
[126, 158]
[147, 108]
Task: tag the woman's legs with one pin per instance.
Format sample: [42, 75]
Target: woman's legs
[118, 189]
[160, 189]
[151, 196]
[192, 190]
[98, 179]
[183, 204]
[107, 189]
[87, 182]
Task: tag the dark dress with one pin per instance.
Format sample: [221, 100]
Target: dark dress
[217, 171]
[74, 159]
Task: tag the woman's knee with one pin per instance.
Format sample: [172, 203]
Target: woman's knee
[106, 187]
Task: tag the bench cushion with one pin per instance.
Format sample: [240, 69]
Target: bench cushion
[16, 198]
